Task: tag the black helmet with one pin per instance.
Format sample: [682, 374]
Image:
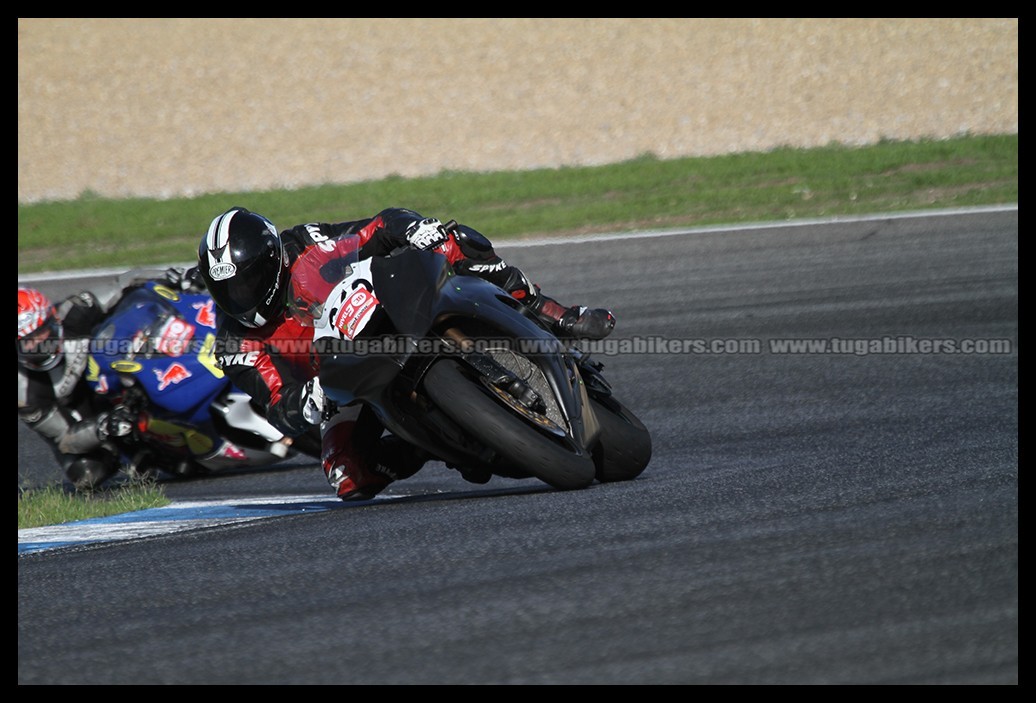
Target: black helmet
[243, 263]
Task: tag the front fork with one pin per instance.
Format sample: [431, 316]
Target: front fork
[499, 376]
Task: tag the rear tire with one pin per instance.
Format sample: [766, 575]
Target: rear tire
[624, 448]
[466, 403]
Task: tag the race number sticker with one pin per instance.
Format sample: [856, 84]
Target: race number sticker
[174, 338]
[356, 312]
[350, 305]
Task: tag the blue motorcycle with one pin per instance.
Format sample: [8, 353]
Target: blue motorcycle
[154, 352]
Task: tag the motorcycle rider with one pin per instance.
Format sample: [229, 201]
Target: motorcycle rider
[246, 264]
[54, 400]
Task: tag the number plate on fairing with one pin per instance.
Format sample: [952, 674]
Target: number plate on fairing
[349, 306]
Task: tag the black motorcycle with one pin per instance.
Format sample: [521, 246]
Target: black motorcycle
[456, 366]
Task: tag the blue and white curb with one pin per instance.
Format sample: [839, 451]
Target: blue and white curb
[177, 517]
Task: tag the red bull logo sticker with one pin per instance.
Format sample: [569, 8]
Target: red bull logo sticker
[175, 373]
[206, 316]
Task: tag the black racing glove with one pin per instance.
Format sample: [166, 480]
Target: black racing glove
[579, 321]
[184, 279]
[428, 233]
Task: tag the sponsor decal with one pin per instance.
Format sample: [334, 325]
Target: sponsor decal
[207, 358]
[222, 271]
[221, 267]
[240, 359]
[488, 268]
[175, 373]
[356, 312]
[93, 369]
[167, 293]
[123, 366]
[232, 452]
[206, 316]
[319, 238]
[175, 337]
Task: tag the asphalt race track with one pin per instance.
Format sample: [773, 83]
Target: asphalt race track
[840, 510]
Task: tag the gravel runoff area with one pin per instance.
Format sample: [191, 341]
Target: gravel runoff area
[124, 107]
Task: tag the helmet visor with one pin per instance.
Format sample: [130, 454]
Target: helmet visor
[239, 301]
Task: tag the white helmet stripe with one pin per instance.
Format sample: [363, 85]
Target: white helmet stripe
[217, 239]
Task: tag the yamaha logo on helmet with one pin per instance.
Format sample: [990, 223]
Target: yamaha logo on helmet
[222, 271]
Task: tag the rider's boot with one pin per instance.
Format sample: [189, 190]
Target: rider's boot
[398, 459]
[576, 321]
[360, 466]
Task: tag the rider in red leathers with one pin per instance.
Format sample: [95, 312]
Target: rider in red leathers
[246, 265]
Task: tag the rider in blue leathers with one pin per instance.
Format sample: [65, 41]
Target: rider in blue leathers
[54, 399]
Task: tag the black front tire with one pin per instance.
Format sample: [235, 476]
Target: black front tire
[519, 444]
[624, 448]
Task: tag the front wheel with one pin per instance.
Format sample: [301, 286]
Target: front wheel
[624, 449]
[466, 403]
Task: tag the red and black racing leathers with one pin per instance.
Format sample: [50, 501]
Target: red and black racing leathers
[274, 363]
